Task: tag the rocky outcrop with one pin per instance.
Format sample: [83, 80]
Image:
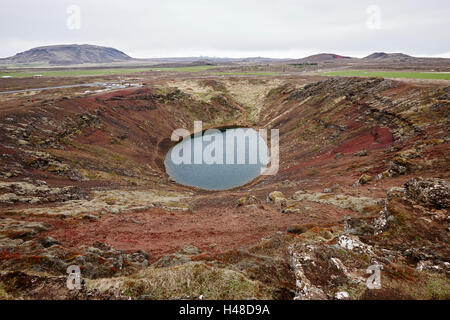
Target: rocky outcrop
[434, 192]
[324, 272]
[37, 192]
[102, 202]
[183, 256]
[25, 253]
[359, 204]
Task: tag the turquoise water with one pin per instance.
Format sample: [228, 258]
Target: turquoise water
[218, 160]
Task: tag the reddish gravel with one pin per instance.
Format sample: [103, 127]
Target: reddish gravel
[159, 232]
[377, 138]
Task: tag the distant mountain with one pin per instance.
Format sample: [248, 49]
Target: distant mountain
[384, 55]
[323, 57]
[67, 55]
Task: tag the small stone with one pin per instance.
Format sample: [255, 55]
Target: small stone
[48, 242]
[342, 295]
[89, 217]
[141, 208]
[362, 153]
[365, 178]
[297, 229]
[22, 142]
[290, 210]
[191, 250]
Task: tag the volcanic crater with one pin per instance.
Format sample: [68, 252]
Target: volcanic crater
[83, 182]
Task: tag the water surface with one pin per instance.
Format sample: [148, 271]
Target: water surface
[243, 157]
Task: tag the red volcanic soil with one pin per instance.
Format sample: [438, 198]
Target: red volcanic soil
[159, 232]
[132, 131]
[376, 138]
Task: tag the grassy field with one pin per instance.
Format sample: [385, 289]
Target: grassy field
[98, 72]
[389, 74]
[185, 69]
[247, 73]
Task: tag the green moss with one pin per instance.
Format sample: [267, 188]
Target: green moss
[4, 295]
[426, 286]
[438, 287]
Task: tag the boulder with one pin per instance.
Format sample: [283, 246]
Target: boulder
[342, 295]
[291, 210]
[298, 229]
[246, 201]
[48, 242]
[299, 195]
[279, 201]
[398, 166]
[433, 191]
[362, 153]
[275, 194]
[365, 178]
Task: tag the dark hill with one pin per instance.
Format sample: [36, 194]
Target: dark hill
[323, 57]
[67, 55]
[384, 55]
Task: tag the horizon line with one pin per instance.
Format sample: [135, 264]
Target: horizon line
[440, 56]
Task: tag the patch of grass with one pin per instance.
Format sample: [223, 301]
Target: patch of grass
[185, 69]
[247, 73]
[389, 74]
[4, 295]
[190, 279]
[428, 287]
[355, 291]
[438, 287]
[74, 72]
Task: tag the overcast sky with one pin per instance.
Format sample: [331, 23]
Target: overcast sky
[231, 28]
